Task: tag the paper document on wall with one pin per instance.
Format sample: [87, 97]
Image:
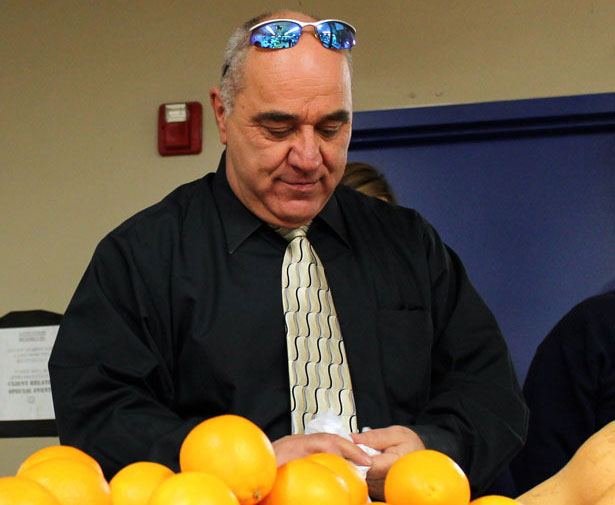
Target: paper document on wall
[25, 390]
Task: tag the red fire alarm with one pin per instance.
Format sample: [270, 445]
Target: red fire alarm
[180, 128]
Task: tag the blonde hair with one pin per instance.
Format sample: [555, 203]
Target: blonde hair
[368, 180]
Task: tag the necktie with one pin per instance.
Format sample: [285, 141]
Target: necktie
[317, 365]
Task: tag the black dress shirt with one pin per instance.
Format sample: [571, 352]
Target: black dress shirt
[570, 389]
[179, 318]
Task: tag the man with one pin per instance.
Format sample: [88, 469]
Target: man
[179, 316]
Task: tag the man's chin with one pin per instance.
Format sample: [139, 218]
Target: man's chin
[294, 216]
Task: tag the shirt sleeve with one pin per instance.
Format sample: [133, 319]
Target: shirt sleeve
[117, 406]
[476, 412]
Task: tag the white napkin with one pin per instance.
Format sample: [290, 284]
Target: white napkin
[327, 422]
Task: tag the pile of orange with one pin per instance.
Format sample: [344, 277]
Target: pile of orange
[56, 475]
[228, 460]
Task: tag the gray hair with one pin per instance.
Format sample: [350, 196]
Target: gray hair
[232, 81]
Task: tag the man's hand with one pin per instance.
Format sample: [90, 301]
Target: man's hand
[393, 442]
[297, 446]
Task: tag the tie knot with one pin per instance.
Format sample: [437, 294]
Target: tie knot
[292, 233]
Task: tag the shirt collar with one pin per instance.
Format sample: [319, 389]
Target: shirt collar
[239, 223]
[331, 214]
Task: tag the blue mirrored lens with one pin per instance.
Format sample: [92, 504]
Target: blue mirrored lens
[276, 35]
[335, 35]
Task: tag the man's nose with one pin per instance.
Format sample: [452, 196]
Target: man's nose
[305, 150]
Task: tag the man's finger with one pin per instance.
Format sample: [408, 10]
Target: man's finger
[377, 474]
[383, 438]
[355, 454]
[325, 442]
[381, 465]
[297, 446]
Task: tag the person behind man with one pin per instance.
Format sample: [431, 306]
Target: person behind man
[367, 179]
[570, 389]
[180, 315]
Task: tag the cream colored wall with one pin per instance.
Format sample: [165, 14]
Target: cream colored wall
[81, 81]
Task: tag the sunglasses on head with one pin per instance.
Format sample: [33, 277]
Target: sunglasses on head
[284, 33]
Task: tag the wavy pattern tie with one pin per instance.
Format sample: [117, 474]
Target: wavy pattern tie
[317, 366]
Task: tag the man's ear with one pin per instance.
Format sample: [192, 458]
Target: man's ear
[217, 104]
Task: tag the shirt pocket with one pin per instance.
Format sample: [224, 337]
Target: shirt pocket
[405, 338]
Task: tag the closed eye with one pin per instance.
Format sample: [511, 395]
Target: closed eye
[329, 129]
[278, 132]
[331, 124]
[275, 124]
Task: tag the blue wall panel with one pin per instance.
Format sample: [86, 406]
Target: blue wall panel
[523, 191]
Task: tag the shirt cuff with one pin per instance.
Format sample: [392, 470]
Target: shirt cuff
[439, 439]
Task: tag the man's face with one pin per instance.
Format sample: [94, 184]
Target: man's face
[288, 133]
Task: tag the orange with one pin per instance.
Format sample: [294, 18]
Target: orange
[357, 485]
[235, 450]
[193, 488]
[305, 482]
[494, 499]
[426, 477]
[71, 481]
[59, 451]
[135, 483]
[22, 491]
